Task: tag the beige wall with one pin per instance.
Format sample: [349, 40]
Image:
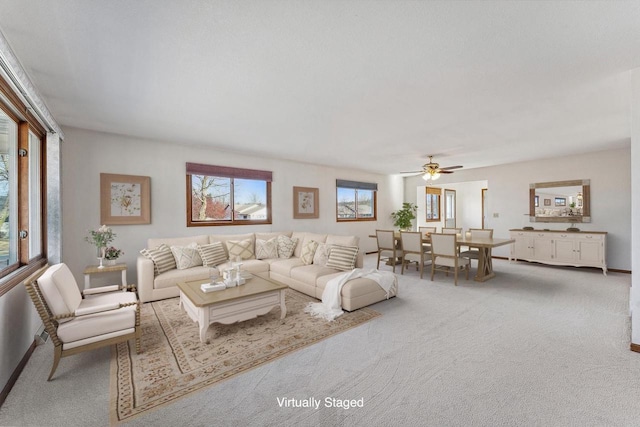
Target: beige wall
[86, 154]
[508, 195]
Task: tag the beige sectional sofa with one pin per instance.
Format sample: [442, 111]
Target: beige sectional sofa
[309, 279]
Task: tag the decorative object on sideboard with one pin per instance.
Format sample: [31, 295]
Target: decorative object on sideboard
[101, 238]
[306, 203]
[403, 217]
[125, 199]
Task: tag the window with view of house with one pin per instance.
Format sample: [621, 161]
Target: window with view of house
[355, 201]
[220, 195]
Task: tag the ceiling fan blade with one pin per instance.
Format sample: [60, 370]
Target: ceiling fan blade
[412, 172]
[450, 167]
[444, 171]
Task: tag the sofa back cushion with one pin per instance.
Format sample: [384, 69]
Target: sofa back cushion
[269, 236]
[60, 290]
[201, 239]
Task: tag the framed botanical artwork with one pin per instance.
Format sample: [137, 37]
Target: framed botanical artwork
[547, 202]
[125, 199]
[306, 203]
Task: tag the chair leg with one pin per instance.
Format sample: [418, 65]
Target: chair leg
[468, 270]
[402, 269]
[378, 264]
[433, 269]
[421, 268]
[455, 276]
[57, 354]
[393, 262]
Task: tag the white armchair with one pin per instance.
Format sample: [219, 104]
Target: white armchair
[78, 322]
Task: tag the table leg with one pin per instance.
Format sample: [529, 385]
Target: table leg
[124, 279]
[283, 307]
[485, 265]
[87, 281]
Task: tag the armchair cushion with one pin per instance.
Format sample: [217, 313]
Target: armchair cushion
[60, 290]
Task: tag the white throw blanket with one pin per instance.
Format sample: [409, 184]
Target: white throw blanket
[331, 305]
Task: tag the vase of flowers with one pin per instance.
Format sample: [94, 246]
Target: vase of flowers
[101, 238]
[112, 254]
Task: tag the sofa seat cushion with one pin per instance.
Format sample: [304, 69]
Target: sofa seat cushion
[93, 325]
[352, 289]
[284, 266]
[173, 277]
[310, 273]
[250, 265]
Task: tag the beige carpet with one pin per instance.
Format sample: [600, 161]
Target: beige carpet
[174, 363]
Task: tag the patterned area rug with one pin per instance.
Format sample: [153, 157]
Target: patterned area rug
[174, 363]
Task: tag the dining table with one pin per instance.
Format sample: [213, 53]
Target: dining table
[484, 245]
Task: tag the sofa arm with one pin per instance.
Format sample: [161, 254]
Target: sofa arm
[145, 271]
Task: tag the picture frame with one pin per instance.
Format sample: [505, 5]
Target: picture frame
[306, 203]
[547, 202]
[561, 201]
[125, 199]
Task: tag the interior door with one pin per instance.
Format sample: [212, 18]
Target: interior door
[449, 208]
[484, 205]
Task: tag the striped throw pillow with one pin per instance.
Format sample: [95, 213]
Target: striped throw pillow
[342, 257]
[162, 258]
[212, 254]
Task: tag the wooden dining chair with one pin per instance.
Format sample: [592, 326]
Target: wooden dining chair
[426, 231]
[477, 233]
[387, 247]
[444, 256]
[413, 251]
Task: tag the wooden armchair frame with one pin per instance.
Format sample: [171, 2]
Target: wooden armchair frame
[51, 322]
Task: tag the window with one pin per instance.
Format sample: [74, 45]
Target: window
[22, 228]
[219, 195]
[355, 201]
[433, 204]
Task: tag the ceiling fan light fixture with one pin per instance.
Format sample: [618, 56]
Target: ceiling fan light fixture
[431, 176]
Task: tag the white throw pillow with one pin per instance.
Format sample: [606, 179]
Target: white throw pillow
[321, 255]
[186, 256]
[240, 248]
[267, 249]
[342, 257]
[308, 251]
[286, 246]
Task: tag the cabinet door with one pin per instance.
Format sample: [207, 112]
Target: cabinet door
[565, 250]
[522, 246]
[542, 248]
[590, 252]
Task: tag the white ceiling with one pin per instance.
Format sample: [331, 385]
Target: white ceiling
[373, 85]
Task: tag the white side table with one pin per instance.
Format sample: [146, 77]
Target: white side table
[93, 269]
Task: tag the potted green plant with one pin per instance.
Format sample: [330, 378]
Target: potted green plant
[403, 217]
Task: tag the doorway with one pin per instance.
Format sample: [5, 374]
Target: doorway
[484, 205]
[449, 208]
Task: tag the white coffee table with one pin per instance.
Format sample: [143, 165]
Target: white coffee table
[256, 297]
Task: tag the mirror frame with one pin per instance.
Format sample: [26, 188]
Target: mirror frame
[586, 201]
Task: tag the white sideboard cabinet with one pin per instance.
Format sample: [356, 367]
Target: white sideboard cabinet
[580, 248]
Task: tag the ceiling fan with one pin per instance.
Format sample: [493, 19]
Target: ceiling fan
[431, 171]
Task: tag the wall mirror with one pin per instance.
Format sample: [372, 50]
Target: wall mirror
[560, 201]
